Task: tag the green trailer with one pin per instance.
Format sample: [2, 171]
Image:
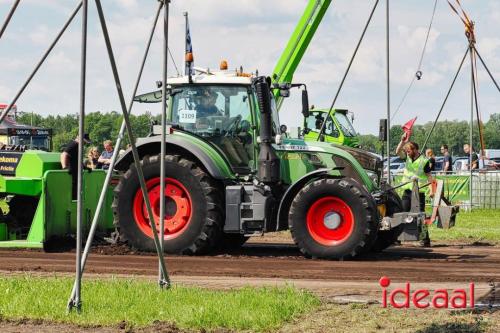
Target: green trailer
[36, 200]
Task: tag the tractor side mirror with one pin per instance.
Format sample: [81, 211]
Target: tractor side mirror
[305, 103]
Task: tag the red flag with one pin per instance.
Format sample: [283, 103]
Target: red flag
[407, 128]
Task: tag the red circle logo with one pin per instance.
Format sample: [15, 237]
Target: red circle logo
[384, 281]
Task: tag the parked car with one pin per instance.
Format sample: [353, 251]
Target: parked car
[397, 167]
[439, 163]
[460, 163]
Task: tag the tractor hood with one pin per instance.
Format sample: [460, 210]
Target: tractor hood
[361, 165]
[366, 159]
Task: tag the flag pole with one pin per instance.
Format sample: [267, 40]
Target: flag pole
[188, 51]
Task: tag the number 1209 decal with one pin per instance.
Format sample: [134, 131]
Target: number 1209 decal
[187, 116]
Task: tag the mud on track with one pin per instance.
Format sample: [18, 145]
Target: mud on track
[282, 261]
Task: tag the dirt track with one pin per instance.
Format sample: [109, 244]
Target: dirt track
[264, 263]
[446, 263]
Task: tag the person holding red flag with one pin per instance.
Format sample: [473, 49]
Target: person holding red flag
[416, 167]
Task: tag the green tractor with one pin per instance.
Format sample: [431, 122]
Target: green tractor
[338, 128]
[231, 174]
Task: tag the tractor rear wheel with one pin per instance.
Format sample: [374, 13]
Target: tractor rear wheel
[332, 218]
[386, 238]
[193, 207]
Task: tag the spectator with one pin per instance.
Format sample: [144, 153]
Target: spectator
[447, 160]
[474, 164]
[69, 161]
[92, 158]
[107, 154]
[431, 158]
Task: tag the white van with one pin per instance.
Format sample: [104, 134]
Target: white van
[490, 158]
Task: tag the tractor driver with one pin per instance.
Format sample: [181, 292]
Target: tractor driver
[206, 104]
[319, 122]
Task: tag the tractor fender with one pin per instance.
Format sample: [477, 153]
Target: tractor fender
[179, 146]
[290, 193]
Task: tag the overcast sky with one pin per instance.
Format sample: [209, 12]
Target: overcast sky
[253, 33]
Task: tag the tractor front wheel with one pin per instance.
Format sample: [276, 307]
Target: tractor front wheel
[193, 207]
[332, 218]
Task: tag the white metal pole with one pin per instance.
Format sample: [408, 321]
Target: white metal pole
[76, 301]
[162, 279]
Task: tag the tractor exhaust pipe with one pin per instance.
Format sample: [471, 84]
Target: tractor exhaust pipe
[268, 161]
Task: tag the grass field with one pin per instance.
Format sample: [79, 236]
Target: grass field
[471, 227]
[127, 304]
[140, 303]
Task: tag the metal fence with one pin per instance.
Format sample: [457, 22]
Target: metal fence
[486, 190]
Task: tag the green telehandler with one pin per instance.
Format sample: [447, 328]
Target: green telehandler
[338, 127]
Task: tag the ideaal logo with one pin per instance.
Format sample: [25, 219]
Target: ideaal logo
[424, 298]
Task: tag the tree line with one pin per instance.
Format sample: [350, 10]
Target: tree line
[99, 125]
[105, 126]
[454, 133]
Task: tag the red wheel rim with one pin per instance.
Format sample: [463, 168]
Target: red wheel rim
[178, 208]
[330, 221]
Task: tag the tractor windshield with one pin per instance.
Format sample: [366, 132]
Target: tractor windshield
[220, 114]
[30, 142]
[210, 110]
[345, 125]
[315, 121]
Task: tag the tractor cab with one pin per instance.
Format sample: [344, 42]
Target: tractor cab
[338, 128]
[219, 113]
[221, 109]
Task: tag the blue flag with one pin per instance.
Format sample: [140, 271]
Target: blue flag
[189, 63]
